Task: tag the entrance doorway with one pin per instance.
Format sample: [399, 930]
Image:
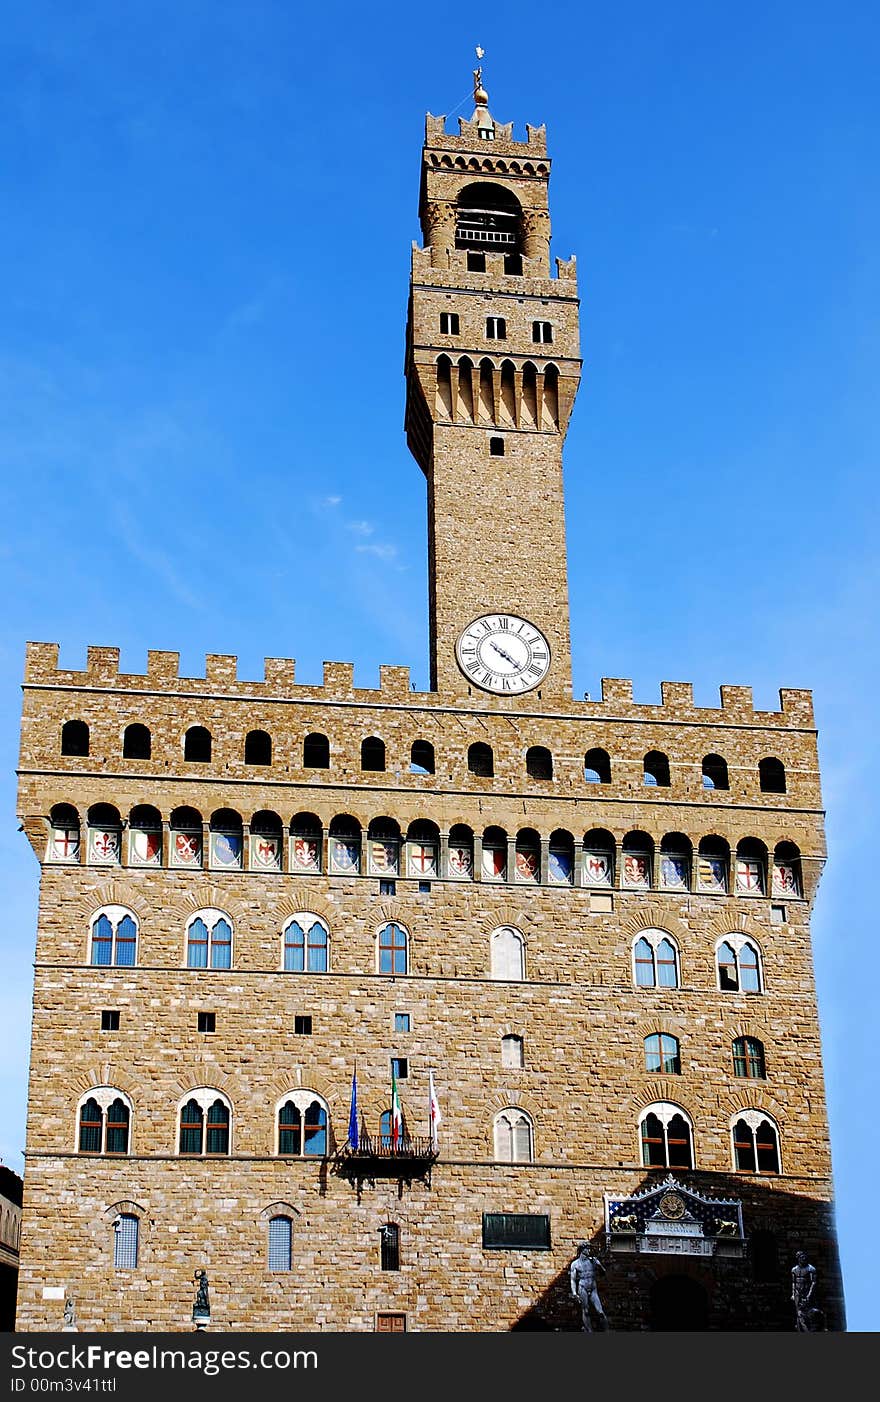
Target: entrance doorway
[679, 1303]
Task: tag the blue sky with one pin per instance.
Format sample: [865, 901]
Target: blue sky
[204, 247]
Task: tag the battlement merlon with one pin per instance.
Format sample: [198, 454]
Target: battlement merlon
[440, 266]
[279, 683]
[469, 139]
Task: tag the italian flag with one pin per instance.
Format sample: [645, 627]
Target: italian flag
[396, 1115]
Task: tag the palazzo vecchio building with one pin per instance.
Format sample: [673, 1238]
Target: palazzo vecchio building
[584, 923]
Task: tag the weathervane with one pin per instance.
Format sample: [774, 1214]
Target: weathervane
[481, 97]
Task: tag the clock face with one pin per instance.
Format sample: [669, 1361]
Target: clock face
[503, 653]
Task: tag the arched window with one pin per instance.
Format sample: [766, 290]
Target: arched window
[205, 1124]
[663, 1054]
[345, 845]
[227, 841]
[713, 864]
[144, 836]
[597, 767]
[373, 754]
[461, 852]
[305, 944]
[392, 949]
[136, 742]
[114, 933]
[197, 745]
[63, 845]
[539, 763]
[666, 1136]
[715, 772]
[656, 769]
[655, 960]
[383, 847]
[488, 218]
[528, 855]
[105, 835]
[267, 841]
[481, 760]
[787, 870]
[739, 967]
[302, 1125]
[494, 854]
[316, 752]
[280, 1244]
[638, 861]
[186, 838]
[598, 858]
[508, 954]
[257, 747]
[75, 738]
[560, 858]
[771, 773]
[422, 849]
[512, 1052]
[209, 940]
[421, 757]
[748, 1058]
[104, 1121]
[514, 1137]
[751, 867]
[305, 843]
[755, 1143]
[676, 857]
[126, 1230]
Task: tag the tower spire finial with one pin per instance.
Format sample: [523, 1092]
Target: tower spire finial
[481, 97]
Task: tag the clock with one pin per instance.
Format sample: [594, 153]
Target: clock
[503, 653]
[672, 1206]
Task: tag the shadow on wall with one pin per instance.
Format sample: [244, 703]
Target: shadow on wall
[677, 1292]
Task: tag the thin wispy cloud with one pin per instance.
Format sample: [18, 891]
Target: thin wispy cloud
[360, 527]
[382, 552]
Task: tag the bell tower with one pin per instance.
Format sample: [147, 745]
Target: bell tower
[492, 368]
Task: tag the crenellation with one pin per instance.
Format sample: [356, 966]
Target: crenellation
[737, 702]
[163, 666]
[221, 672]
[102, 663]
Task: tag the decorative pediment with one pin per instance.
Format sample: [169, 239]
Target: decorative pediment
[671, 1219]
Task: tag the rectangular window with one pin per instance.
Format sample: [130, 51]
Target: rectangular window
[389, 1247]
[777, 915]
[110, 1020]
[302, 1024]
[515, 1231]
[280, 1243]
[401, 1022]
[512, 1052]
[424, 888]
[387, 888]
[496, 447]
[399, 1067]
[449, 323]
[496, 328]
[207, 1022]
[125, 1245]
[542, 333]
[390, 1323]
[476, 262]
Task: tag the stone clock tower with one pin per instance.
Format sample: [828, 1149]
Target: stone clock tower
[492, 371]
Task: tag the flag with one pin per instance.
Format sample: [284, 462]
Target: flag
[434, 1116]
[353, 1135]
[396, 1116]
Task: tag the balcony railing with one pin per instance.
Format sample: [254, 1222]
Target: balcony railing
[499, 236]
[409, 1149]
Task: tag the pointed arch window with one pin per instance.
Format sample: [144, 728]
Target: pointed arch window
[113, 939]
[306, 941]
[303, 1125]
[393, 949]
[739, 967]
[514, 1136]
[205, 1124]
[655, 960]
[755, 1143]
[209, 940]
[666, 1136]
[508, 954]
[104, 1122]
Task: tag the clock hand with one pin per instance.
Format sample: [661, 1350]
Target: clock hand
[506, 655]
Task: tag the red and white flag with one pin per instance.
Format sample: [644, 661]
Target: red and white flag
[434, 1116]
